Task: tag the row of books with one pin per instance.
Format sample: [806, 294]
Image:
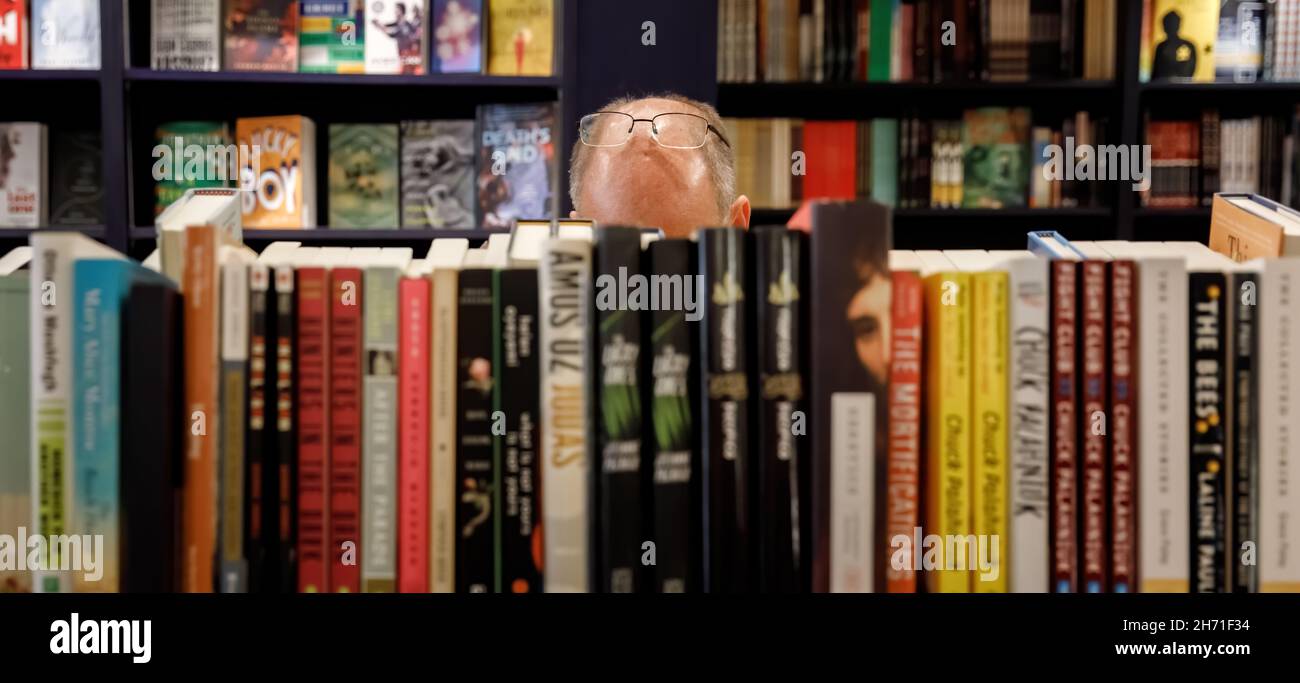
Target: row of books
[355, 36]
[40, 187]
[68, 30]
[1192, 160]
[915, 40]
[1241, 41]
[992, 158]
[416, 174]
[578, 409]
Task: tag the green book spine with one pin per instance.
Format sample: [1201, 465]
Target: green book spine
[15, 421]
[884, 160]
[363, 184]
[882, 28]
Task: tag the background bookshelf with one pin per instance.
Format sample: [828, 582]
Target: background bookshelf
[600, 54]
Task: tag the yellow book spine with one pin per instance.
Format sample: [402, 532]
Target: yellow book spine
[947, 451]
[990, 358]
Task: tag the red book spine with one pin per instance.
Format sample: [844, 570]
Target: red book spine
[345, 430]
[831, 171]
[1094, 427]
[1064, 421]
[1123, 408]
[903, 475]
[13, 34]
[413, 437]
[313, 421]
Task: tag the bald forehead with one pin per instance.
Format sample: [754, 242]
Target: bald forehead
[650, 106]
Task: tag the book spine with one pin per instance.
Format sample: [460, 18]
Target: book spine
[619, 372]
[673, 406]
[1279, 327]
[345, 552]
[1207, 410]
[476, 556]
[313, 348]
[413, 437]
[1029, 420]
[379, 463]
[1162, 441]
[948, 432]
[258, 443]
[1065, 486]
[724, 429]
[151, 441]
[442, 428]
[1123, 426]
[990, 352]
[1244, 436]
[903, 473]
[1093, 429]
[202, 309]
[518, 370]
[96, 400]
[282, 483]
[565, 280]
[234, 379]
[779, 392]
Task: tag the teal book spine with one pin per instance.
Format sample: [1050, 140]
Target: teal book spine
[100, 287]
[15, 422]
[884, 161]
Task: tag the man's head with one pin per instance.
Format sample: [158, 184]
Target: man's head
[641, 183]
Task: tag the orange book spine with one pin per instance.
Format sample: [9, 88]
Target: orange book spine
[199, 502]
[313, 429]
[345, 431]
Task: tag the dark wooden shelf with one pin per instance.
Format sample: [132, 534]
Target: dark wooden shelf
[469, 80]
[96, 231]
[49, 74]
[866, 99]
[318, 235]
[1283, 87]
[761, 216]
[1196, 212]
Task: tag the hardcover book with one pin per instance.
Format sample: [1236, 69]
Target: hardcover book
[437, 174]
[201, 497]
[413, 418]
[517, 166]
[346, 552]
[76, 180]
[850, 294]
[1279, 330]
[1093, 404]
[232, 520]
[284, 496]
[1029, 454]
[521, 37]
[476, 552]
[331, 37]
[395, 36]
[284, 171]
[14, 35]
[312, 351]
[363, 185]
[185, 35]
[1239, 51]
[458, 36]
[24, 195]
[1124, 425]
[1208, 389]
[996, 163]
[15, 463]
[379, 429]
[258, 430]
[903, 470]
[67, 34]
[1243, 430]
[261, 35]
[1183, 33]
[177, 150]
[673, 405]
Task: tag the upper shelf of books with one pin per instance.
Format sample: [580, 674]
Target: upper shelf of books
[471, 80]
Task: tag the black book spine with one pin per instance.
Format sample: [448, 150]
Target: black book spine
[153, 375]
[1208, 411]
[778, 401]
[674, 404]
[725, 409]
[475, 477]
[921, 62]
[1245, 436]
[281, 488]
[619, 376]
[258, 442]
[518, 471]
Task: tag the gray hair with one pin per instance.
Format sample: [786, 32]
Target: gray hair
[720, 157]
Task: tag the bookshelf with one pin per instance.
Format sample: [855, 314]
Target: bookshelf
[599, 56]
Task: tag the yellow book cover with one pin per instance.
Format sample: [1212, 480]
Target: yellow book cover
[990, 355]
[947, 450]
[1182, 39]
[521, 35]
[278, 161]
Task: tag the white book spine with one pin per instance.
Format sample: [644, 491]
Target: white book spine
[1279, 426]
[395, 36]
[853, 438]
[1030, 408]
[1163, 460]
[442, 431]
[24, 193]
[185, 35]
[379, 432]
[565, 276]
[66, 34]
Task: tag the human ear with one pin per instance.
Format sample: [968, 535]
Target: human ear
[738, 216]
